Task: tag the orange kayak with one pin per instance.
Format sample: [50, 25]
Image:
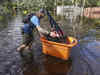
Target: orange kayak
[59, 50]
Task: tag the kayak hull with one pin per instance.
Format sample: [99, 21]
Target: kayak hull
[59, 50]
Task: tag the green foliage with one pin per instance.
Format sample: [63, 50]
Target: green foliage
[34, 5]
[87, 3]
[1, 18]
[98, 3]
[5, 8]
[92, 3]
[8, 6]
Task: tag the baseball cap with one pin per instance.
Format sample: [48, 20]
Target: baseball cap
[42, 11]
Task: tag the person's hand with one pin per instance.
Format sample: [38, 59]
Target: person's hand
[41, 35]
[54, 34]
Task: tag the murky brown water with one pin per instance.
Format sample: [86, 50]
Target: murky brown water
[32, 62]
[27, 62]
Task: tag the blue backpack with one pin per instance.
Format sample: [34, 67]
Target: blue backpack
[27, 18]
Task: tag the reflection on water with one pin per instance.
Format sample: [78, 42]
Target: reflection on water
[4, 21]
[28, 62]
[33, 61]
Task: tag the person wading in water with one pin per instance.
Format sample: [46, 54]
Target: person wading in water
[30, 23]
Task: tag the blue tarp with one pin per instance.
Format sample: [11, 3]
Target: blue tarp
[86, 59]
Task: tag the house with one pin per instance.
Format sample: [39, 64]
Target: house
[92, 12]
[69, 10]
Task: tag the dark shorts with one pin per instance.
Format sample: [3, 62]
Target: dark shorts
[27, 38]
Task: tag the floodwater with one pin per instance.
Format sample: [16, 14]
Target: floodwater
[32, 62]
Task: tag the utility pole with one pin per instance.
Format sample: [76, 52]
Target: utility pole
[55, 4]
[63, 9]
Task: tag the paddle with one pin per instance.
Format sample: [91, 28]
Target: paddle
[54, 25]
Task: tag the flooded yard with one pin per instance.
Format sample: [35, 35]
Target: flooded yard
[34, 62]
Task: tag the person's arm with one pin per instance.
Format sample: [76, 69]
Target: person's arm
[45, 32]
[42, 30]
[35, 20]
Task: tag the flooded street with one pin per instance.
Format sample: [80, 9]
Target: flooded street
[15, 63]
[34, 62]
